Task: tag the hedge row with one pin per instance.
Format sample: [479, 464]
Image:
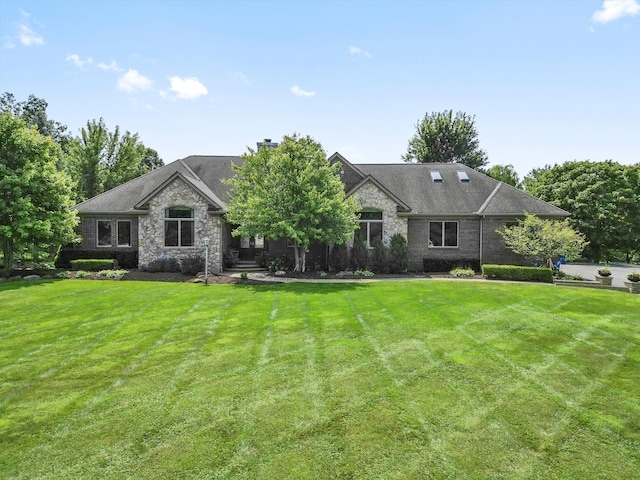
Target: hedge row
[514, 272]
[125, 259]
[94, 264]
[439, 265]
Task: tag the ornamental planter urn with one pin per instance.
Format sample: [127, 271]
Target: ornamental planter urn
[634, 283]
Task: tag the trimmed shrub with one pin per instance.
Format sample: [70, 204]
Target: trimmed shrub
[339, 259]
[439, 265]
[359, 255]
[192, 264]
[93, 264]
[380, 257]
[163, 264]
[398, 257]
[518, 273]
[125, 259]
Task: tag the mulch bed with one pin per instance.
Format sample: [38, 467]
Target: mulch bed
[179, 277]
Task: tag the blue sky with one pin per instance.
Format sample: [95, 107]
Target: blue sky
[548, 81]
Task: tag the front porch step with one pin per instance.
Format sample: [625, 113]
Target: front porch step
[245, 268]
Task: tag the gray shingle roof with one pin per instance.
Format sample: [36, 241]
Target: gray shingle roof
[203, 172]
[412, 184]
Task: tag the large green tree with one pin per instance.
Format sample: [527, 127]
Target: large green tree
[541, 240]
[291, 191]
[504, 173]
[101, 159]
[444, 138]
[33, 112]
[35, 197]
[603, 199]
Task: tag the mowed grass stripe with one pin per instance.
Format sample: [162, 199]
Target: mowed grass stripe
[137, 396]
[381, 380]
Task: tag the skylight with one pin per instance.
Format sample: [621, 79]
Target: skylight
[463, 176]
[437, 178]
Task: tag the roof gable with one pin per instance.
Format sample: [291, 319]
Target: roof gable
[350, 175]
[198, 185]
[401, 205]
[203, 173]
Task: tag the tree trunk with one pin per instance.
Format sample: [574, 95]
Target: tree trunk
[300, 257]
[8, 256]
[296, 258]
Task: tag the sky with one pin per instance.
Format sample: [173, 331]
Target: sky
[548, 81]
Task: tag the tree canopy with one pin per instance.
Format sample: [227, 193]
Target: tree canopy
[33, 112]
[100, 160]
[603, 199]
[35, 197]
[540, 240]
[291, 191]
[440, 137]
[504, 173]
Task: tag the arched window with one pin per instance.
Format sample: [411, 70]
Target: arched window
[179, 228]
[370, 226]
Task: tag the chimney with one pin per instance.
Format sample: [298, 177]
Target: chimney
[267, 143]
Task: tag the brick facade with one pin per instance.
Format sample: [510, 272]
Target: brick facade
[89, 231]
[493, 248]
[418, 241]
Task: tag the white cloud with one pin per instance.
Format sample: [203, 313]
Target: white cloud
[132, 80]
[296, 90]
[615, 9]
[113, 66]
[187, 88]
[28, 37]
[242, 77]
[77, 61]
[358, 51]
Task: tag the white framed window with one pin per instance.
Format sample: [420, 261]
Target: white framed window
[443, 234]
[124, 233]
[104, 233]
[179, 227]
[370, 227]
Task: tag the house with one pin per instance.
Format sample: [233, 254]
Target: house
[445, 211]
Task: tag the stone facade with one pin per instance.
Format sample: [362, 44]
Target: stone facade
[151, 227]
[370, 196]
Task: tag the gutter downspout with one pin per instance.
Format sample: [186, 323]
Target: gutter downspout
[481, 238]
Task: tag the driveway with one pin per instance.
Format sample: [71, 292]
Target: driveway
[619, 271]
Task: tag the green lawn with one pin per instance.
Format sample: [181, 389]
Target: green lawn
[416, 379]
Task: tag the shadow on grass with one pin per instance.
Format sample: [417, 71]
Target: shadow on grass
[17, 284]
[302, 287]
